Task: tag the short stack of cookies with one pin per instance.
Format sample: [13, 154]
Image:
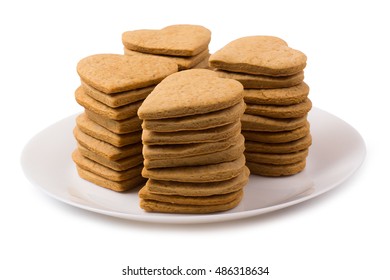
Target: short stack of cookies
[108, 132]
[193, 147]
[275, 126]
[184, 44]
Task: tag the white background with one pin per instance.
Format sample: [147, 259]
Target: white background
[343, 234]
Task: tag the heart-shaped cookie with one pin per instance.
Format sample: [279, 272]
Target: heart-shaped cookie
[177, 40]
[259, 55]
[111, 73]
[190, 92]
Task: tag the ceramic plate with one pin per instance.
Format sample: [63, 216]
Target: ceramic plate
[337, 152]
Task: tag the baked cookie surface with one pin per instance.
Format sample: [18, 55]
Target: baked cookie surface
[103, 171]
[230, 154]
[191, 136]
[119, 186]
[274, 170]
[287, 147]
[280, 111]
[177, 40]
[119, 113]
[264, 55]
[261, 123]
[99, 132]
[204, 173]
[105, 149]
[197, 122]
[186, 150]
[199, 189]
[166, 207]
[250, 81]
[183, 62]
[112, 73]
[278, 96]
[117, 99]
[277, 137]
[129, 125]
[190, 92]
[119, 165]
[278, 159]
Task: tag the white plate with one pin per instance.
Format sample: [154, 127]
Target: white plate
[337, 151]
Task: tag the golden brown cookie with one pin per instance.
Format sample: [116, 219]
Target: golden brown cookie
[191, 136]
[279, 159]
[177, 40]
[99, 132]
[152, 152]
[183, 62]
[264, 55]
[231, 153]
[199, 189]
[119, 165]
[261, 81]
[105, 149]
[217, 199]
[280, 111]
[125, 126]
[273, 170]
[121, 186]
[197, 122]
[120, 113]
[277, 137]
[104, 171]
[166, 207]
[117, 99]
[279, 96]
[112, 73]
[260, 123]
[190, 92]
[204, 173]
[288, 147]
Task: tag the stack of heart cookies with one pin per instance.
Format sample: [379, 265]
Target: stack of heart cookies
[275, 126]
[193, 147]
[108, 132]
[184, 44]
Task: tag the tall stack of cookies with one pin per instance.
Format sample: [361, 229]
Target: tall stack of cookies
[275, 126]
[193, 147]
[108, 132]
[184, 44]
